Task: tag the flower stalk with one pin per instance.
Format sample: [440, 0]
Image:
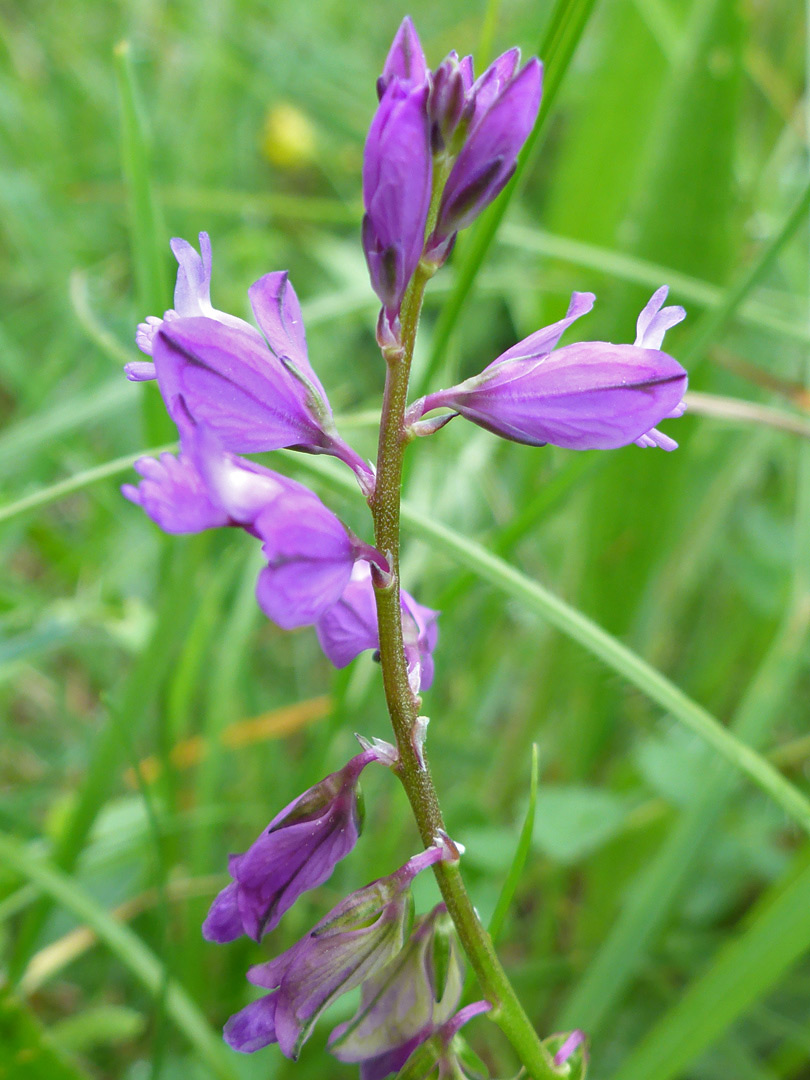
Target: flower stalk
[404, 704]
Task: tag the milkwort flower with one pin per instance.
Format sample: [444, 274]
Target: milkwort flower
[309, 551]
[257, 393]
[355, 940]
[297, 851]
[406, 1002]
[589, 396]
[350, 627]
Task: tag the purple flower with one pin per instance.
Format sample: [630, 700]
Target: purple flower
[297, 851]
[310, 552]
[405, 60]
[405, 1002]
[396, 190]
[256, 393]
[192, 296]
[590, 396]
[355, 940]
[349, 627]
[504, 109]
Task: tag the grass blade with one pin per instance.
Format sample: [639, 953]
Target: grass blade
[589, 635]
[524, 844]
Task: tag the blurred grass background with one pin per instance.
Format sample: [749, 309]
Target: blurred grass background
[152, 720]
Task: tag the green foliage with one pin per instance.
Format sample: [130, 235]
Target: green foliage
[597, 606]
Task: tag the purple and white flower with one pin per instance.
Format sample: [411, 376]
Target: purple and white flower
[405, 1002]
[593, 395]
[310, 553]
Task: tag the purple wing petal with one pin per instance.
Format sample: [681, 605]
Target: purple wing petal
[349, 627]
[278, 313]
[232, 383]
[254, 1027]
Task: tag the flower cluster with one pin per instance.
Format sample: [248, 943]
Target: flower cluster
[232, 391]
[441, 146]
[446, 127]
[411, 979]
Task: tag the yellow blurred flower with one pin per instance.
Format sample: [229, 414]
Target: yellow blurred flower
[288, 137]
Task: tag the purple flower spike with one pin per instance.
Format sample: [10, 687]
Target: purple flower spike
[349, 627]
[500, 126]
[192, 296]
[357, 938]
[590, 396]
[396, 190]
[297, 851]
[405, 60]
[405, 1002]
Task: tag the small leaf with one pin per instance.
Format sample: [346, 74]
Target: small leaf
[573, 821]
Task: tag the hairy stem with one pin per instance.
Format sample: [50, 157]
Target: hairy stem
[404, 705]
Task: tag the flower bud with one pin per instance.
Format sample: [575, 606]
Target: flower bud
[504, 111]
[448, 103]
[396, 190]
[405, 60]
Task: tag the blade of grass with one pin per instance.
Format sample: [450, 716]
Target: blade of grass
[147, 234]
[524, 844]
[713, 321]
[75, 483]
[565, 29]
[107, 753]
[746, 970]
[127, 947]
[656, 891]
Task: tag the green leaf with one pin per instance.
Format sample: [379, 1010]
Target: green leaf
[573, 821]
[104, 1025]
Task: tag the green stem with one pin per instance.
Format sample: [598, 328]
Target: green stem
[404, 704]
